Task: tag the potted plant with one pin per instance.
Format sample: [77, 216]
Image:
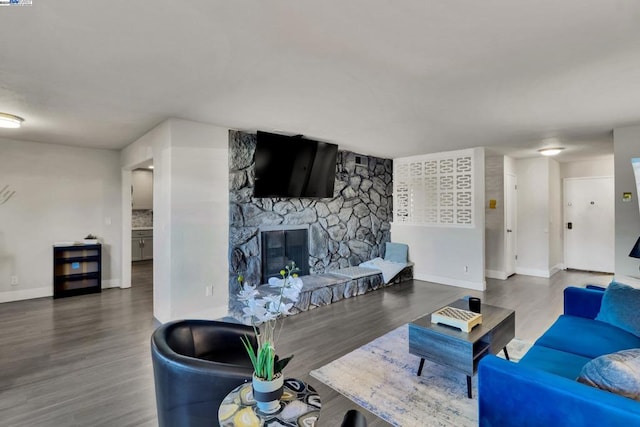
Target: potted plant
[268, 380]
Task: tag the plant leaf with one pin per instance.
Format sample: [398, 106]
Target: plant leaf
[250, 351]
[280, 364]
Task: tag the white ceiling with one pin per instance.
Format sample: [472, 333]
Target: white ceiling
[381, 77]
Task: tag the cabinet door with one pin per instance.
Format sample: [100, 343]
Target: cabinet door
[147, 248]
[142, 191]
[136, 251]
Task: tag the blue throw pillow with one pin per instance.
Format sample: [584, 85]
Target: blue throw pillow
[620, 307]
[617, 372]
[396, 252]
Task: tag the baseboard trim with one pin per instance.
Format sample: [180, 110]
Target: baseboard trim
[540, 273]
[533, 272]
[495, 274]
[478, 286]
[111, 283]
[556, 268]
[23, 294]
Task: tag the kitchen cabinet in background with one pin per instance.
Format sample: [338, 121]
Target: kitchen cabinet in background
[141, 245]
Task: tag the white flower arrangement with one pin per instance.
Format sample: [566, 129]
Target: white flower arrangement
[266, 311]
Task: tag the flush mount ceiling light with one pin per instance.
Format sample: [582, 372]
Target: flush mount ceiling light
[10, 121]
[551, 151]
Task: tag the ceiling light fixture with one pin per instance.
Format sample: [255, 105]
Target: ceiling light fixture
[551, 151]
[150, 167]
[10, 121]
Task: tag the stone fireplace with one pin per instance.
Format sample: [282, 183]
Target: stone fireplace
[349, 228]
[280, 245]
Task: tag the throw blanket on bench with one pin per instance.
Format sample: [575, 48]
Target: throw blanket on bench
[389, 269]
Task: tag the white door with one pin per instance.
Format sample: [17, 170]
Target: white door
[589, 232]
[510, 214]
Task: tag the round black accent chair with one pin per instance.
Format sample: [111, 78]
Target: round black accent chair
[196, 363]
[354, 418]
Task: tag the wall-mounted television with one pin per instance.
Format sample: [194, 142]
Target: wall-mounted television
[292, 166]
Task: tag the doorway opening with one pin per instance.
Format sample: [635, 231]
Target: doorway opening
[137, 227]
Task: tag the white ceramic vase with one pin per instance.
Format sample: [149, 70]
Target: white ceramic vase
[267, 394]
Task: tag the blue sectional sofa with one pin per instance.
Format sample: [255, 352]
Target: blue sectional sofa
[542, 389]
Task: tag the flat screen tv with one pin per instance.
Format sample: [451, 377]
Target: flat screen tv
[292, 166]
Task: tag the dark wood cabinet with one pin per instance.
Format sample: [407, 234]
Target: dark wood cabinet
[77, 270]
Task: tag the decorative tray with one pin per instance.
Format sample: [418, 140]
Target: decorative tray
[462, 319]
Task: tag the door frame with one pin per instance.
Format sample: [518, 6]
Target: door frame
[514, 226]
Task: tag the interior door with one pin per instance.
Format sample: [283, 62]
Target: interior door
[510, 214]
[589, 226]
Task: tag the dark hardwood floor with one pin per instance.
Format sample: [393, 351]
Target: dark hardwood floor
[85, 361]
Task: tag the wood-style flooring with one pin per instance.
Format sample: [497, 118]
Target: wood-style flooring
[85, 360]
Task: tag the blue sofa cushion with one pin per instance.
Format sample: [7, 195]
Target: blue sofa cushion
[557, 362]
[396, 252]
[618, 373]
[582, 302]
[620, 307]
[586, 337]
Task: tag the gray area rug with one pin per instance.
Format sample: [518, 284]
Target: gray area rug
[381, 377]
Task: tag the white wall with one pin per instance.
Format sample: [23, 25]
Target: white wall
[556, 231]
[626, 145]
[510, 166]
[533, 216]
[441, 253]
[190, 203]
[199, 219]
[540, 221]
[601, 166]
[62, 194]
[494, 218]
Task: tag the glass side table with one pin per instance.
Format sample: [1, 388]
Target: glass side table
[299, 406]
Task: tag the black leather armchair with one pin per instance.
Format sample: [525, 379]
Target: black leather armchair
[196, 363]
[354, 418]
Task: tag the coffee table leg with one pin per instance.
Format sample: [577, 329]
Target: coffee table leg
[421, 366]
[469, 395]
[506, 355]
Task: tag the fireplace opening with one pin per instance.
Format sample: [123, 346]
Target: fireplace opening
[280, 247]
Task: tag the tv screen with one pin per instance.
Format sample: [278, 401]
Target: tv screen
[287, 166]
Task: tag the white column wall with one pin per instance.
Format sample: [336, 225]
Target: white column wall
[533, 216]
[190, 202]
[199, 219]
[494, 218]
[556, 231]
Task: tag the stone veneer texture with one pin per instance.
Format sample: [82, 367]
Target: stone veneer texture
[345, 230]
[141, 218]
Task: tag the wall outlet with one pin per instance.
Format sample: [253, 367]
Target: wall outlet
[466, 268]
[208, 290]
[14, 280]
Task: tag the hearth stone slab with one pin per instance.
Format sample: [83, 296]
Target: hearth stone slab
[322, 289]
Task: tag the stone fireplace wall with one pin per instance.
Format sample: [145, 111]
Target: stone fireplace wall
[345, 230]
